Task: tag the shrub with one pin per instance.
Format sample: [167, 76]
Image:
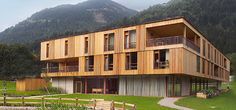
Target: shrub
[62, 107]
[53, 90]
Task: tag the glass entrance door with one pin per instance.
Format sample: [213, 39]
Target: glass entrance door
[173, 86]
[78, 87]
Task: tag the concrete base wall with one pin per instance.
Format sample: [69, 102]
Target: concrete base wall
[142, 85]
[65, 83]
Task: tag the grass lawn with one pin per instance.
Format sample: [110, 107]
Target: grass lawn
[11, 90]
[142, 103]
[226, 101]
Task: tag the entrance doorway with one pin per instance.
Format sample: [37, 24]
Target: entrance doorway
[174, 86]
[78, 87]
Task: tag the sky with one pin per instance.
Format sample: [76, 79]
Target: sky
[15, 11]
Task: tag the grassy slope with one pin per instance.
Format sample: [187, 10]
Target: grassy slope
[142, 103]
[225, 101]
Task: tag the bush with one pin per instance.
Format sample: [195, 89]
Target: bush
[53, 90]
[62, 107]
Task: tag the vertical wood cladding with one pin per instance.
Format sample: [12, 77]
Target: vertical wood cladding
[182, 59]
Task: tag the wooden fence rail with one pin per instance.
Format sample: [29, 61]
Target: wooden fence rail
[43, 101]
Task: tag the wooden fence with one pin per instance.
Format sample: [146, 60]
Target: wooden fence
[43, 101]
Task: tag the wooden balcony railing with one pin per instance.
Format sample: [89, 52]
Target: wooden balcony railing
[108, 47]
[61, 69]
[89, 68]
[161, 65]
[130, 45]
[131, 66]
[170, 41]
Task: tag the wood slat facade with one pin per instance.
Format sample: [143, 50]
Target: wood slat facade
[187, 52]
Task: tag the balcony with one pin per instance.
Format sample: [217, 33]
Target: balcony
[130, 45]
[161, 65]
[62, 69]
[171, 41]
[108, 47]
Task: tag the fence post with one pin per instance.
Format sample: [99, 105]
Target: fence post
[4, 100]
[76, 101]
[43, 104]
[23, 101]
[123, 108]
[134, 107]
[59, 100]
[112, 105]
[94, 104]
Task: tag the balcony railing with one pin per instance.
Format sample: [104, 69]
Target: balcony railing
[89, 68]
[61, 69]
[131, 66]
[130, 45]
[170, 41]
[161, 64]
[108, 47]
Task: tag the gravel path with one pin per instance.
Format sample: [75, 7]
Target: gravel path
[170, 102]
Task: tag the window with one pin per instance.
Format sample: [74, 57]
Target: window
[86, 45]
[47, 50]
[89, 63]
[225, 63]
[66, 47]
[131, 61]
[109, 42]
[108, 62]
[161, 59]
[198, 64]
[209, 51]
[203, 47]
[203, 66]
[216, 70]
[130, 39]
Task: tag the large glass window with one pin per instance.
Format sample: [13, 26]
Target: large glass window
[89, 63]
[109, 42]
[108, 62]
[130, 39]
[66, 47]
[198, 64]
[47, 50]
[86, 44]
[131, 61]
[161, 59]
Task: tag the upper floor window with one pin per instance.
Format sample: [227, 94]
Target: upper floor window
[209, 51]
[47, 50]
[131, 61]
[225, 63]
[204, 47]
[198, 64]
[66, 47]
[108, 62]
[130, 39]
[89, 63]
[86, 45]
[161, 59]
[109, 42]
[203, 66]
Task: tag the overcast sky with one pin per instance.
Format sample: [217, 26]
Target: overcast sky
[14, 11]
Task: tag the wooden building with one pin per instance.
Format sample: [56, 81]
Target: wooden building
[164, 58]
[29, 84]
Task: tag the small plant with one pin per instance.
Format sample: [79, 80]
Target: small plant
[56, 106]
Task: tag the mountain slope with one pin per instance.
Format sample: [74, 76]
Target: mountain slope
[66, 19]
[216, 19]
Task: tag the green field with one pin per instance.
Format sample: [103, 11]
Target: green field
[226, 101]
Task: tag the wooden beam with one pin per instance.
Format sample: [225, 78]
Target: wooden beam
[85, 86]
[104, 85]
